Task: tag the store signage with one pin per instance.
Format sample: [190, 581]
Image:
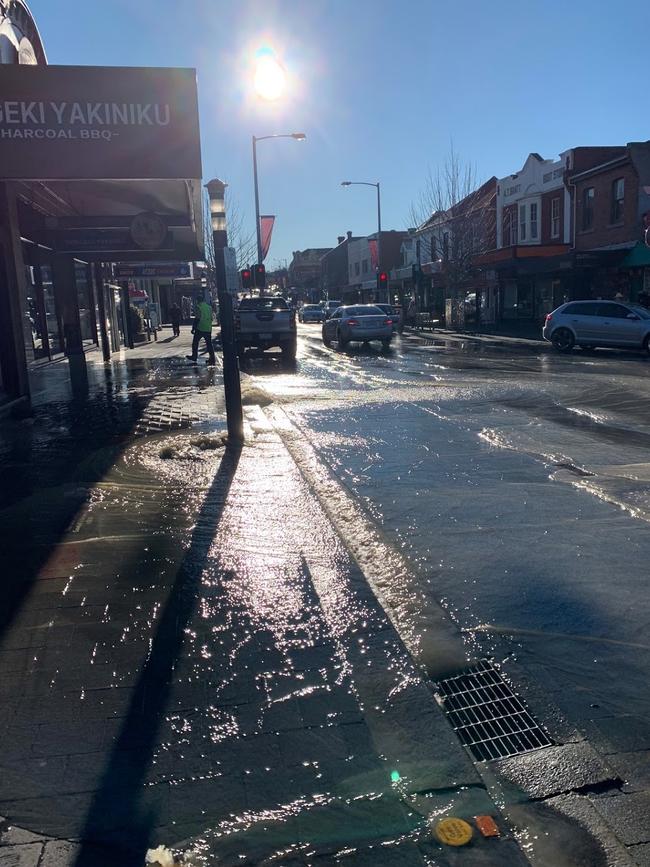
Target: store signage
[171, 270]
[79, 241]
[98, 122]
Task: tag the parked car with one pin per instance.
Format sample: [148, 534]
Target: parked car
[360, 323]
[264, 322]
[598, 323]
[330, 306]
[311, 313]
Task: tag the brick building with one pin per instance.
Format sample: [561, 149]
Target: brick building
[334, 268]
[552, 238]
[612, 213]
[305, 271]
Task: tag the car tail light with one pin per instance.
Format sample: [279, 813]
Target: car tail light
[352, 322]
[388, 321]
[549, 316]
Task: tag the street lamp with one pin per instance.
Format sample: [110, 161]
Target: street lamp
[231, 384]
[298, 136]
[370, 184]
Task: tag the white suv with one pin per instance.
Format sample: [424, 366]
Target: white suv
[598, 323]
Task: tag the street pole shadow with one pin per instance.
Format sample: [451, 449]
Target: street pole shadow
[117, 820]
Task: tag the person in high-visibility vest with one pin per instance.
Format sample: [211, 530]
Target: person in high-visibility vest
[202, 327]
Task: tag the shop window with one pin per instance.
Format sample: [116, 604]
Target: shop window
[555, 217]
[618, 200]
[588, 208]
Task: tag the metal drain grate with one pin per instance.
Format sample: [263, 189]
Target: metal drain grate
[491, 721]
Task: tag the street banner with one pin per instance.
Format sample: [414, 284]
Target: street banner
[374, 259]
[98, 122]
[266, 230]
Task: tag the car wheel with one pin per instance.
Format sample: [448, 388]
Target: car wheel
[326, 339]
[563, 340]
[386, 343]
[289, 350]
[341, 341]
[646, 343]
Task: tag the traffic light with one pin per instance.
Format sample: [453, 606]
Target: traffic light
[382, 281]
[246, 278]
[260, 276]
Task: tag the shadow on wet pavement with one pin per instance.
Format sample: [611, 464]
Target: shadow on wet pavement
[117, 803]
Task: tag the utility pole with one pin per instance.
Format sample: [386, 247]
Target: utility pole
[231, 384]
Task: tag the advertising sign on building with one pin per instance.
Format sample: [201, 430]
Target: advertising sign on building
[156, 269]
[98, 122]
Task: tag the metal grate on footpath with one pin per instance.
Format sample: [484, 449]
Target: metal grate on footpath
[489, 718]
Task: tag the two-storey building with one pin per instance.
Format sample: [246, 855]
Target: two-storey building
[612, 224]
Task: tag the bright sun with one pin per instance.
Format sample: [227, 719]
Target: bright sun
[270, 78]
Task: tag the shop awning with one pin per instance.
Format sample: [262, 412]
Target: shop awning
[638, 257]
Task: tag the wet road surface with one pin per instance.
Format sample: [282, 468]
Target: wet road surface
[515, 482]
[191, 656]
[190, 650]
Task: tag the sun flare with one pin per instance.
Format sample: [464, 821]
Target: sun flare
[270, 78]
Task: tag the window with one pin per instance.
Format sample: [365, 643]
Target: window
[522, 222]
[510, 228]
[618, 197]
[533, 220]
[588, 207]
[583, 308]
[445, 246]
[555, 217]
[613, 311]
[356, 269]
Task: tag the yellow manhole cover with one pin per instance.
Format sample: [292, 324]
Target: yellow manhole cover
[453, 832]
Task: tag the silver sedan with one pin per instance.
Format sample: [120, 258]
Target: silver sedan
[360, 323]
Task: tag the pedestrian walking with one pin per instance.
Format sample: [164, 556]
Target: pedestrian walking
[202, 328]
[175, 316]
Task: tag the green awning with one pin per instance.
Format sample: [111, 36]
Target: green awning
[638, 257]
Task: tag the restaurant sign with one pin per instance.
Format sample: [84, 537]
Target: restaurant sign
[98, 122]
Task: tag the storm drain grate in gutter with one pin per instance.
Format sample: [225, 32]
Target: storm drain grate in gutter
[491, 721]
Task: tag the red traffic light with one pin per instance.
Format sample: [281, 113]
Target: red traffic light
[246, 278]
[383, 276]
[260, 276]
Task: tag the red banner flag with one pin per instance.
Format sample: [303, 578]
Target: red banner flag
[266, 230]
[374, 261]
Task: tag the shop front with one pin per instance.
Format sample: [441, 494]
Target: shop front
[96, 168]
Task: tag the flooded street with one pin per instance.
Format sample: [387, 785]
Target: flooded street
[515, 483]
[237, 653]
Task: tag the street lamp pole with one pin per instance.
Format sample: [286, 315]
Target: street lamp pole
[377, 187]
[231, 384]
[257, 204]
[298, 136]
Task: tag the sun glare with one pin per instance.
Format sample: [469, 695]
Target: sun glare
[270, 77]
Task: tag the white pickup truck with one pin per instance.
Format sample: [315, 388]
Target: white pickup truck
[263, 323]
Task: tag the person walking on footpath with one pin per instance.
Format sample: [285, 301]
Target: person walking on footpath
[202, 327]
[175, 316]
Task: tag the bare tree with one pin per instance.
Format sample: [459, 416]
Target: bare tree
[455, 218]
[243, 242]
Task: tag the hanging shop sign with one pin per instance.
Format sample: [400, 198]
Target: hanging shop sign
[158, 269]
[98, 122]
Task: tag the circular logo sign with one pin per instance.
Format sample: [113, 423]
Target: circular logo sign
[148, 231]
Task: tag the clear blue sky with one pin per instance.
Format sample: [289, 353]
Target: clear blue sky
[379, 86]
